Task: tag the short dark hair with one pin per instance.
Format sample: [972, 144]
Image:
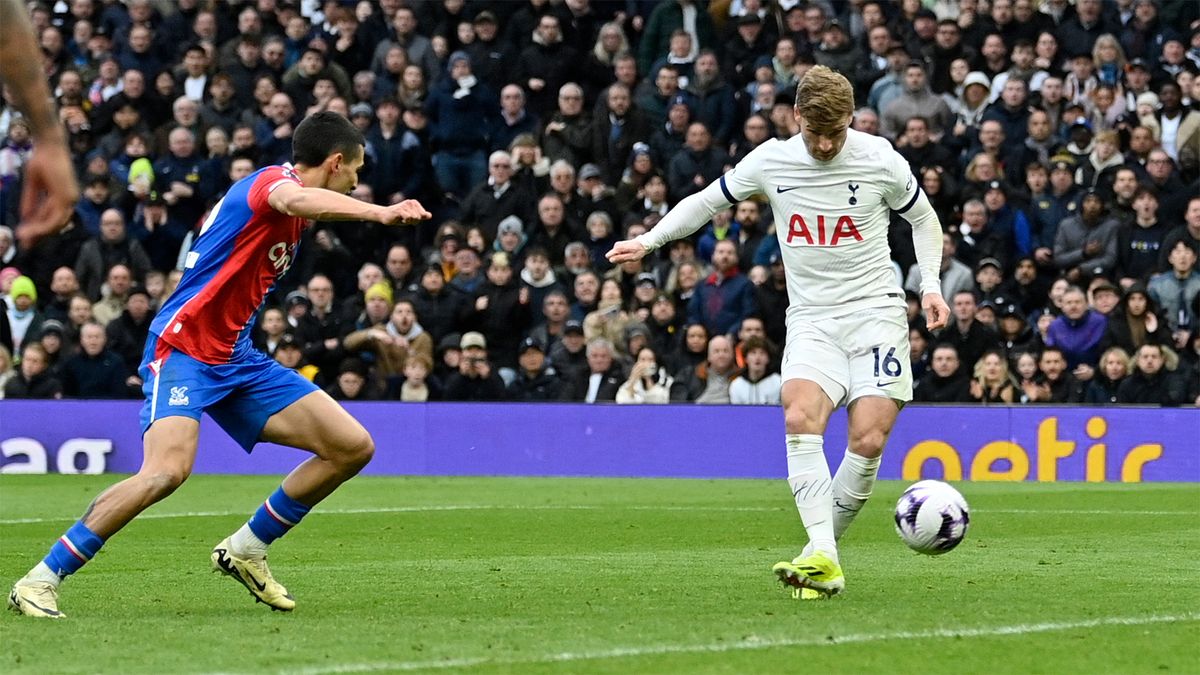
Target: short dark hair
[321, 135]
[945, 345]
[1186, 244]
[918, 118]
[1145, 191]
[1048, 350]
[754, 343]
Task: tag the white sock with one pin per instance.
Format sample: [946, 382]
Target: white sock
[246, 545]
[42, 572]
[852, 486]
[808, 476]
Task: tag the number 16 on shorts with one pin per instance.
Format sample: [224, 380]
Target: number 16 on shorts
[889, 370]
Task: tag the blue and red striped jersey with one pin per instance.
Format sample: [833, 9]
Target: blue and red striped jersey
[243, 247]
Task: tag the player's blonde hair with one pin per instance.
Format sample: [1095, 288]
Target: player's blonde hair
[824, 99]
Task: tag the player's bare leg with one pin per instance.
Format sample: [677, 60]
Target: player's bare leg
[169, 451]
[168, 455]
[806, 410]
[341, 448]
[870, 423]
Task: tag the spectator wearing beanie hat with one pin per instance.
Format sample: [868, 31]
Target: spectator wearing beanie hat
[24, 319]
[667, 139]
[460, 111]
[394, 342]
[511, 239]
[378, 309]
[362, 115]
[1146, 106]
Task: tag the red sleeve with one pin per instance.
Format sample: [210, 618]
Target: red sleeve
[266, 182]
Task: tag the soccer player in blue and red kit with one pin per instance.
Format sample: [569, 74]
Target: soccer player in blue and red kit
[199, 359]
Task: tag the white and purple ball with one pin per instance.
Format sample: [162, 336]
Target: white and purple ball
[932, 517]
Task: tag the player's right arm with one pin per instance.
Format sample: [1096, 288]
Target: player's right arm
[695, 210]
[320, 204]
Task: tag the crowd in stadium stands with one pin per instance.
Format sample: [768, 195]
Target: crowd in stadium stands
[1058, 141]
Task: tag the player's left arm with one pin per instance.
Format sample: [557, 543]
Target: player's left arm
[909, 200]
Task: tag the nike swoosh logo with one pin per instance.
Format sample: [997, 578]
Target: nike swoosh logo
[16, 601]
[886, 384]
[261, 587]
[837, 504]
[781, 190]
[227, 565]
[51, 612]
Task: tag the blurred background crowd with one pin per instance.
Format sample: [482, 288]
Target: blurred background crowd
[1058, 141]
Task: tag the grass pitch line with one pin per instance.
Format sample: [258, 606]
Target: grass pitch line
[576, 507]
[750, 643]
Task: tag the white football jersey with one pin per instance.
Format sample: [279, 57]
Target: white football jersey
[831, 219]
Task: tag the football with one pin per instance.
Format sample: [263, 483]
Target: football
[932, 517]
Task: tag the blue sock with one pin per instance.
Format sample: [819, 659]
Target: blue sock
[276, 516]
[73, 550]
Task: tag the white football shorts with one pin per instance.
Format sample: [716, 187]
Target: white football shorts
[861, 354]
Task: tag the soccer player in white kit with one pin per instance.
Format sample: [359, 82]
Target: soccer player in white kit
[832, 190]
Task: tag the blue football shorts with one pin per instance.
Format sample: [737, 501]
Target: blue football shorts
[239, 396]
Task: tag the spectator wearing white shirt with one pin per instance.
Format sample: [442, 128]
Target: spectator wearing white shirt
[648, 382]
[756, 385]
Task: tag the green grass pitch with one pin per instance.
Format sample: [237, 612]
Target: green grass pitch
[507, 575]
